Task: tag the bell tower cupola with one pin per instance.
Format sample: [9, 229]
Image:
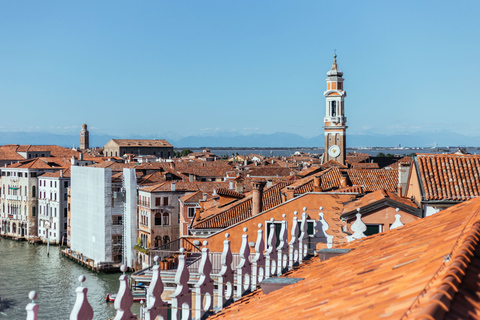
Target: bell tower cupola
[335, 120]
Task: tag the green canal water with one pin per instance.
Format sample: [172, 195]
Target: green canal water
[25, 267]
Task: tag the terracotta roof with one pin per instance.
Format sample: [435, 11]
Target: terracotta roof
[374, 179]
[449, 176]
[42, 163]
[270, 171]
[366, 165]
[356, 157]
[56, 174]
[377, 197]
[181, 186]
[142, 143]
[55, 151]
[427, 269]
[8, 152]
[230, 193]
[333, 163]
[330, 179]
[352, 189]
[308, 172]
[241, 209]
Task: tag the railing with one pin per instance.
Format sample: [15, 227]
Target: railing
[172, 249]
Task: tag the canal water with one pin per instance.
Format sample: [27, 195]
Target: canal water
[25, 267]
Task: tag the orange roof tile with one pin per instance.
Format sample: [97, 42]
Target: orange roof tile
[449, 176]
[413, 272]
[374, 179]
[240, 210]
[142, 143]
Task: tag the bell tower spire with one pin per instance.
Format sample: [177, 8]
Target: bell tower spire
[335, 120]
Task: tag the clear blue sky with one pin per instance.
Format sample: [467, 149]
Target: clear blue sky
[179, 68]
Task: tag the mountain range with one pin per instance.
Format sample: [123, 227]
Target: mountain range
[274, 140]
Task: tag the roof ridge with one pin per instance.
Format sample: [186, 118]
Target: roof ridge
[448, 278]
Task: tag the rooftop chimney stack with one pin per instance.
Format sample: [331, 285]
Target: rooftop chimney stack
[317, 184]
[173, 186]
[257, 205]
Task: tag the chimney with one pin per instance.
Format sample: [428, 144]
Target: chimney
[204, 197]
[230, 186]
[317, 184]
[80, 156]
[257, 205]
[190, 177]
[61, 174]
[290, 192]
[173, 186]
[403, 173]
[343, 182]
[239, 186]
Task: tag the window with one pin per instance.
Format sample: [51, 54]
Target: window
[33, 211]
[64, 212]
[373, 229]
[165, 201]
[158, 201]
[166, 239]
[166, 219]
[334, 108]
[191, 212]
[158, 219]
[65, 184]
[20, 175]
[34, 192]
[65, 197]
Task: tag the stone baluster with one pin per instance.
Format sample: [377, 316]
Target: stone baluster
[320, 232]
[124, 300]
[155, 306]
[32, 307]
[244, 268]
[293, 244]
[258, 263]
[271, 252]
[226, 275]
[181, 297]
[282, 249]
[303, 238]
[82, 310]
[397, 222]
[205, 285]
[358, 228]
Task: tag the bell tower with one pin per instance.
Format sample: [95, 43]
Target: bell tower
[335, 120]
[84, 139]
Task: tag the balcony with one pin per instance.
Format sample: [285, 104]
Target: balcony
[12, 197]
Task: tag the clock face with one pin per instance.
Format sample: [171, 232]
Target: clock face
[334, 151]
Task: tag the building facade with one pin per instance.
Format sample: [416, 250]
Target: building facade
[335, 120]
[120, 147]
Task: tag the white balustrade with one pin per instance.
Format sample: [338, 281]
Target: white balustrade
[181, 297]
[293, 244]
[282, 249]
[226, 276]
[271, 253]
[124, 299]
[205, 286]
[258, 263]
[244, 268]
[82, 310]
[155, 306]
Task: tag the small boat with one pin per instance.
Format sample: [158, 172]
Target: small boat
[137, 297]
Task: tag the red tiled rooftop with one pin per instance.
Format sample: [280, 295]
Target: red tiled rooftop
[374, 179]
[413, 272]
[449, 176]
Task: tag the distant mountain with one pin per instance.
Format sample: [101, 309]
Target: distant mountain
[274, 140]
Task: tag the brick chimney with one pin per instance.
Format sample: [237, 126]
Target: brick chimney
[403, 173]
[290, 192]
[317, 184]
[343, 182]
[257, 205]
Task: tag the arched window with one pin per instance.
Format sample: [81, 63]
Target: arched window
[334, 108]
[166, 239]
[166, 219]
[34, 192]
[158, 241]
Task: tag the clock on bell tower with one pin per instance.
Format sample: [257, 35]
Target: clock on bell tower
[335, 120]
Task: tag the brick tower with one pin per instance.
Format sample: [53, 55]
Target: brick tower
[84, 140]
[335, 120]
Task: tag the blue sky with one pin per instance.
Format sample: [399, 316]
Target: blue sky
[180, 68]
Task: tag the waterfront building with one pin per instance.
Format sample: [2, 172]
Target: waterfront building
[335, 120]
[52, 205]
[19, 195]
[156, 147]
[103, 215]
